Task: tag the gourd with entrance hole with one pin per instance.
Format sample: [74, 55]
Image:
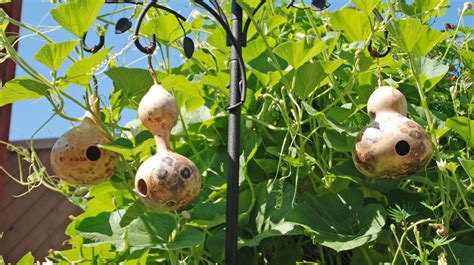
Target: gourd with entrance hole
[391, 146]
[166, 180]
[76, 158]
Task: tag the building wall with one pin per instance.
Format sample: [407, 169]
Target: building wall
[35, 221]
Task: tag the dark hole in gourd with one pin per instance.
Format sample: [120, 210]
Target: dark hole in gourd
[185, 173]
[402, 148]
[93, 153]
[142, 188]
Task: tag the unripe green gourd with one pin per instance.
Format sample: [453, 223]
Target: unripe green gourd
[166, 180]
[391, 146]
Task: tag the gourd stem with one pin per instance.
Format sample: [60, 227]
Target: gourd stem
[162, 143]
[152, 72]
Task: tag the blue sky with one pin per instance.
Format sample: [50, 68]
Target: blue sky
[30, 115]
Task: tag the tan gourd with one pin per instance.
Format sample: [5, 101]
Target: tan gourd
[391, 146]
[166, 180]
[76, 158]
[158, 111]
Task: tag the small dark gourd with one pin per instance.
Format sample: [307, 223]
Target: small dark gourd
[76, 158]
[166, 180]
[391, 146]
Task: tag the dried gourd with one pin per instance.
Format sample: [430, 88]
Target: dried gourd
[166, 180]
[391, 146]
[76, 157]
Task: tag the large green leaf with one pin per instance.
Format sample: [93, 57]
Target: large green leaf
[22, 88]
[298, 53]
[27, 259]
[430, 71]
[132, 82]
[339, 141]
[313, 75]
[417, 38]
[353, 224]
[429, 8]
[81, 71]
[187, 93]
[166, 28]
[468, 166]
[366, 5]
[77, 16]
[354, 24]
[273, 203]
[464, 127]
[150, 229]
[188, 238]
[103, 228]
[53, 54]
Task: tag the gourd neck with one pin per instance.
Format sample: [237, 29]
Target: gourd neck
[162, 143]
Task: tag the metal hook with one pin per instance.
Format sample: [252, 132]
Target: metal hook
[151, 48]
[94, 48]
[388, 48]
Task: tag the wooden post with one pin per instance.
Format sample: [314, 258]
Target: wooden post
[7, 73]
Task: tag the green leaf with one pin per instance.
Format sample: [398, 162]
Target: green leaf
[417, 38]
[27, 259]
[187, 94]
[53, 54]
[121, 146]
[166, 28]
[150, 229]
[468, 56]
[464, 127]
[22, 88]
[311, 76]
[208, 215]
[366, 5]
[132, 82]
[430, 71]
[81, 71]
[352, 225]
[460, 254]
[273, 202]
[338, 141]
[298, 53]
[430, 8]
[354, 24]
[188, 238]
[77, 16]
[103, 228]
[468, 166]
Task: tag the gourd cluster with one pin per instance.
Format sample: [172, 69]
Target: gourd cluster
[166, 180]
[391, 146]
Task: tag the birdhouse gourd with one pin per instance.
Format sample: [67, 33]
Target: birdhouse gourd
[166, 180]
[391, 146]
[76, 158]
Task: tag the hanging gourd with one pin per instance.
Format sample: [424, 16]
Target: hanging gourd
[76, 157]
[166, 180]
[391, 146]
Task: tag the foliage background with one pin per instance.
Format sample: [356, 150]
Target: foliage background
[301, 197]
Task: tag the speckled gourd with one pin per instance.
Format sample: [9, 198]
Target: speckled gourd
[76, 158]
[166, 180]
[391, 146]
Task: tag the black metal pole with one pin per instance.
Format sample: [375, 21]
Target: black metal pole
[233, 140]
